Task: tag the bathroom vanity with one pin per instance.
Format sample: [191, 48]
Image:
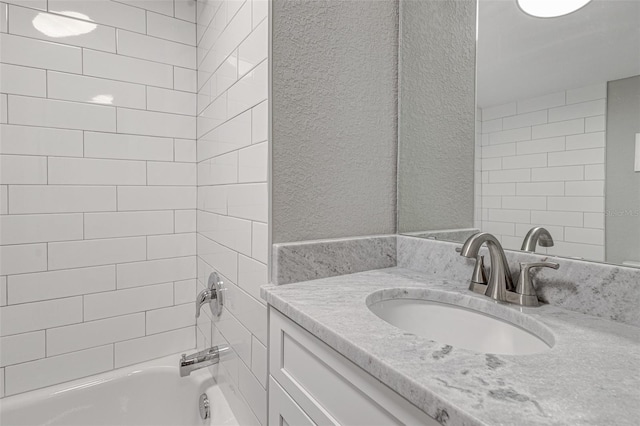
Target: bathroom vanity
[333, 360]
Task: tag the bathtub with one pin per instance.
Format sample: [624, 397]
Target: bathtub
[150, 393]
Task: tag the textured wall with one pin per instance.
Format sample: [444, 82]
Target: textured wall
[623, 184]
[334, 118]
[437, 106]
[97, 187]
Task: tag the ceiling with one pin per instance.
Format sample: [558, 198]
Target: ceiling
[521, 57]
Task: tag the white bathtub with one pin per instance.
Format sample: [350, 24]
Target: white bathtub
[151, 393]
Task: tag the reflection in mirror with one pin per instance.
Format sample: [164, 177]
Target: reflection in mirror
[558, 111]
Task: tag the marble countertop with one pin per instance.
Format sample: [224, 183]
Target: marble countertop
[591, 375]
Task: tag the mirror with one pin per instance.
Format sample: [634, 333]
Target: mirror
[556, 138]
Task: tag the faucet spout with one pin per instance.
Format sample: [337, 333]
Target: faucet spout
[537, 235]
[500, 280]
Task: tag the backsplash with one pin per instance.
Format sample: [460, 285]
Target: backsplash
[598, 289]
[98, 194]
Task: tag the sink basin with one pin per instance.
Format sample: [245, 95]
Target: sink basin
[461, 327]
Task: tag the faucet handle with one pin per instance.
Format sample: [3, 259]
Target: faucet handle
[525, 288]
[479, 277]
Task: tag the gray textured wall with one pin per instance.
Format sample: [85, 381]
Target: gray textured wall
[622, 183]
[437, 109]
[334, 118]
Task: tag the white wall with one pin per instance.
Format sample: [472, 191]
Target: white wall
[542, 164]
[232, 192]
[98, 187]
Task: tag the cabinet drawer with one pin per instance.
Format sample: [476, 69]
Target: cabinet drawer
[283, 411]
[328, 387]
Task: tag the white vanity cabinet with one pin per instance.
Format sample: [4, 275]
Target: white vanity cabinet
[312, 384]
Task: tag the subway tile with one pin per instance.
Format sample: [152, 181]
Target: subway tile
[219, 257]
[127, 147]
[212, 116]
[259, 361]
[103, 12]
[168, 28]
[27, 140]
[3, 29]
[23, 258]
[517, 175]
[77, 254]
[123, 68]
[251, 275]
[40, 54]
[219, 170]
[156, 124]
[253, 392]
[157, 345]
[161, 6]
[89, 171]
[186, 10]
[498, 111]
[254, 49]
[248, 311]
[576, 250]
[587, 140]
[25, 288]
[260, 242]
[260, 122]
[90, 334]
[3, 291]
[584, 235]
[229, 231]
[595, 124]
[541, 103]
[40, 315]
[524, 120]
[24, 229]
[594, 220]
[594, 172]
[540, 189]
[557, 232]
[184, 291]
[540, 146]
[579, 204]
[171, 174]
[562, 128]
[491, 163]
[122, 302]
[26, 170]
[498, 228]
[58, 369]
[127, 224]
[253, 163]
[583, 109]
[249, 91]
[230, 136]
[50, 27]
[524, 203]
[550, 174]
[61, 114]
[156, 198]
[577, 157]
[490, 189]
[502, 150]
[185, 221]
[155, 271]
[185, 79]
[4, 108]
[185, 150]
[260, 11]
[236, 334]
[61, 199]
[155, 49]
[492, 126]
[588, 93]
[249, 201]
[169, 246]
[21, 348]
[71, 87]
[172, 101]
[494, 202]
[507, 215]
[593, 188]
[213, 198]
[524, 161]
[171, 318]
[19, 80]
[558, 218]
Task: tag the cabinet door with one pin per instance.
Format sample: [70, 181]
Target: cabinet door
[283, 411]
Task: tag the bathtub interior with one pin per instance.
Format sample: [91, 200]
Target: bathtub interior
[151, 393]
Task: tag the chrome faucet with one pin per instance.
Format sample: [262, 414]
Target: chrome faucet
[213, 295]
[500, 280]
[202, 359]
[500, 284]
[537, 235]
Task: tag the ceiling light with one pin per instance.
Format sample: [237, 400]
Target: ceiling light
[550, 8]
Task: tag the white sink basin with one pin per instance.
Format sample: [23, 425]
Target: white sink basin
[458, 326]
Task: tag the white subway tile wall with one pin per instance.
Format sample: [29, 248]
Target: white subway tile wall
[232, 155]
[97, 186]
[541, 163]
